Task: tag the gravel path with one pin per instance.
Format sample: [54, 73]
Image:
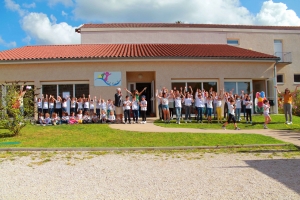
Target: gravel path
[154, 175]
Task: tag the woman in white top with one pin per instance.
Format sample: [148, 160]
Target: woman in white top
[165, 105]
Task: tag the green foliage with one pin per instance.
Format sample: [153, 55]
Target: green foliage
[101, 135]
[13, 117]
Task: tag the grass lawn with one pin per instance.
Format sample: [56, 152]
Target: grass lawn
[278, 123]
[100, 135]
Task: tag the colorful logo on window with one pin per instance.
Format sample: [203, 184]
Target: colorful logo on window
[107, 78]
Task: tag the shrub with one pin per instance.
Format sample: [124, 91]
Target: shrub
[12, 117]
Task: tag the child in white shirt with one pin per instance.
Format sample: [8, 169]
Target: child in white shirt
[143, 105]
[126, 106]
[266, 107]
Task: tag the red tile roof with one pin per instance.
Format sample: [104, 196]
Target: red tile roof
[131, 51]
[174, 25]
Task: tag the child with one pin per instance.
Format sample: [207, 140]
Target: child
[47, 120]
[110, 106]
[103, 105]
[98, 107]
[41, 119]
[86, 118]
[111, 118]
[64, 105]
[266, 107]
[178, 101]
[127, 104]
[51, 105]
[58, 109]
[45, 104]
[135, 107]
[73, 105]
[72, 119]
[95, 118]
[219, 108]
[92, 106]
[231, 108]
[187, 106]
[103, 116]
[79, 117]
[199, 103]
[80, 105]
[238, 104]
[65, 118]
[55, 119]
[248, 104]
[143, 105]
[209, 106]
[86, 105]
[39, 106]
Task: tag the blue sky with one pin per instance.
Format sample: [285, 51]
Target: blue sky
[43, 22]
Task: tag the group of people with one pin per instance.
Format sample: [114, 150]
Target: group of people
[84, 110]
[205, 103]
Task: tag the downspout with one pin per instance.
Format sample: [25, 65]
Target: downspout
[275, 90]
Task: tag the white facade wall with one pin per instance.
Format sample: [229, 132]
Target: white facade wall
[253, 39]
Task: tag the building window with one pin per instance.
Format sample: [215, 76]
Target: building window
[207, 85]
[233, 41]
[237, 87]
[297, 78]
[73, 90]
[279, 78]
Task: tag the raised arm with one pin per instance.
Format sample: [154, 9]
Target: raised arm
[295, 90]
[142, 91]
[277, 89]
[128, 91]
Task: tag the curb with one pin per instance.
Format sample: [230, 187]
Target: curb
[139, 148]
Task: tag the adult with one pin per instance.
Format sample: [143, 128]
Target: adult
[287, 103]
[118, 105]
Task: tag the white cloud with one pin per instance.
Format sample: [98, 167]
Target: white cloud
[27, 39]
[277, 14]
[191, 11]
[39, 27]
[66, 3]
[7, 44]
[53, 19]
[11, 5]
[32, 5]
[63, 13]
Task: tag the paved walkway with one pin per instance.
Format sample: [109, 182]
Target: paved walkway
[284, 135]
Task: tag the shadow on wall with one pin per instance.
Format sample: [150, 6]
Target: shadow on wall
[285, 171]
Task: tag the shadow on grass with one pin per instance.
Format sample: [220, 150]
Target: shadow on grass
[5, 135]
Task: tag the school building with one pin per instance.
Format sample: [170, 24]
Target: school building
[138, 55]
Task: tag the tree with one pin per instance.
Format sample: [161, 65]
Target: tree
[16, 105]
